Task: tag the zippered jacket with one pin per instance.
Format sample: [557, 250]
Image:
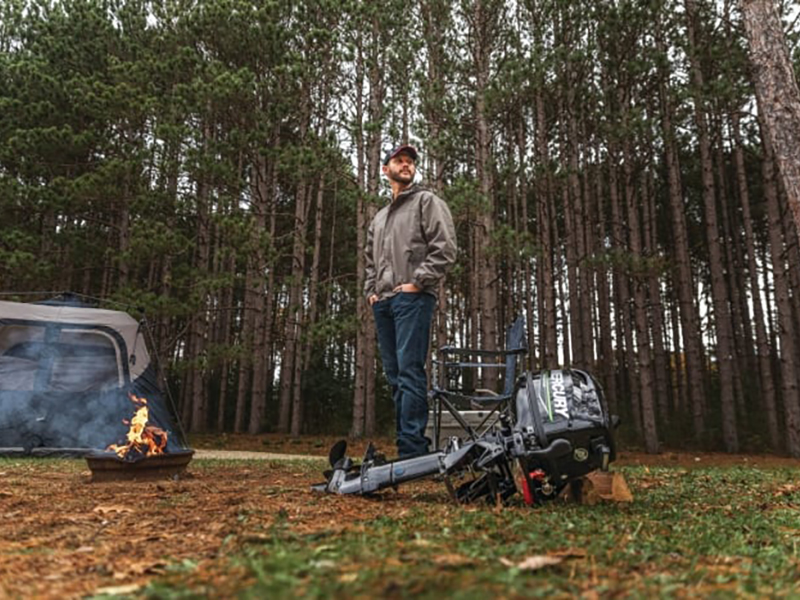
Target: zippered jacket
[412, 240]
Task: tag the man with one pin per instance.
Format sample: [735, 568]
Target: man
[410, 245]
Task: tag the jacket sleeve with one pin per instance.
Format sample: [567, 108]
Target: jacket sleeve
[369, 262]
[440, 235]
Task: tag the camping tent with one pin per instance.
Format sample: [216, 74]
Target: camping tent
[66, 372]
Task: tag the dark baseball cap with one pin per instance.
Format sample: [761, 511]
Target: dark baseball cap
[410, 150]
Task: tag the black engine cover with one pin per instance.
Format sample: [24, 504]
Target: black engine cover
[565, 404]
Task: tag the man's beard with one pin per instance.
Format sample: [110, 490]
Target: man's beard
[403, 178]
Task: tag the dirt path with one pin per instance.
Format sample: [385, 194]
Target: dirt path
[249, 455]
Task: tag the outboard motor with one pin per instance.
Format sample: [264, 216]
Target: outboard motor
[558, 429]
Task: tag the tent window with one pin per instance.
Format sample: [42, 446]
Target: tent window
[34, 359]
[17, 368]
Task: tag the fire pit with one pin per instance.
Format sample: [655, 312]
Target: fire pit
[107, 466]
[144, 456]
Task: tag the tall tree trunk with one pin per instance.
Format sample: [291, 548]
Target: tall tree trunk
[767, 383]
[313, 293]
[261, 292]
[679, 373]
[435, 19]
[740, 333]
[642, 357]
[660, 364]
[199, 324]
[573, 299]
[224, 338]
[607, 356]
[622, 296]
[294, 313]
[248, 316]
[589, 215]
[364, 386]
[483, 26]
[169, 186]
[792, 255]
[264, 367]
[777, 91]
[719, 292]
[527, 271]
[787, 332]
[123, 249]
[545, 217]
[575, 223]
[682, 274]
[373, 185]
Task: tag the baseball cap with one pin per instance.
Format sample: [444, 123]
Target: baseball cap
[410, 150]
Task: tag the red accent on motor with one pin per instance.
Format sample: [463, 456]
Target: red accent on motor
[527, 493]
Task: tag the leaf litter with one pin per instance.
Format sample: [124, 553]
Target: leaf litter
[118, 537]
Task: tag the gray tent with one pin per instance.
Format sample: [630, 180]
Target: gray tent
[66, 372]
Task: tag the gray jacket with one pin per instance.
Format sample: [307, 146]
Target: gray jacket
[412, 240]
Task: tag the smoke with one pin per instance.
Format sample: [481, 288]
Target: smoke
[66, 388]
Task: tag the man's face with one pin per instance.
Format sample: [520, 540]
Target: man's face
[401, 169]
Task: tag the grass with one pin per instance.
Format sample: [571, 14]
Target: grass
[718, 532]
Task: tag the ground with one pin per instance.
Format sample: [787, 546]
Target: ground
[63, 536]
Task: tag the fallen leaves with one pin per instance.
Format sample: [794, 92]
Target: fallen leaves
[93, 536]
[117, 590]
[533, 563]
[147, 567]
[598, 486]
[422, 542]
[540, 561]
[114, 538]
[569, 553]
[452, 561]
[105, 510]
[788, 489]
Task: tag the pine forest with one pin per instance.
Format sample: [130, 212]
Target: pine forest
[212, 166]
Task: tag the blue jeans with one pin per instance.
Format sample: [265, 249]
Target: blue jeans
[403, 323]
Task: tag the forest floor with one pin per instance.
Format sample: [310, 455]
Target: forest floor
[700, 525]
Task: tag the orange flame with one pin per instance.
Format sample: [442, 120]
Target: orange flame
[144, 439]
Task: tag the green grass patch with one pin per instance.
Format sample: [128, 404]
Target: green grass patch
[725, 532]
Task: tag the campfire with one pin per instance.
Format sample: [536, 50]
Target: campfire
[143, 456]
[144, 439]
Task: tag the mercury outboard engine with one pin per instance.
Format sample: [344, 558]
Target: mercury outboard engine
[557, 430]
[566, 412]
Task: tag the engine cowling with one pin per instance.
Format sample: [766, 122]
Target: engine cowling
[563, 404]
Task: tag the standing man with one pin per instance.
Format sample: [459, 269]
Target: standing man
[410, 245]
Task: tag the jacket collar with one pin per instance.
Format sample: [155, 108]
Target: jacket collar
[404, 195]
